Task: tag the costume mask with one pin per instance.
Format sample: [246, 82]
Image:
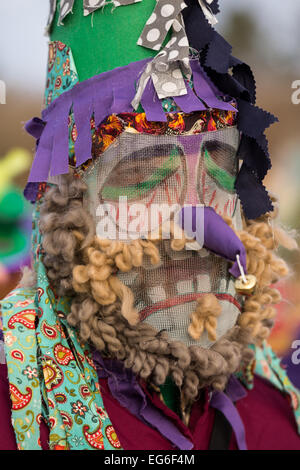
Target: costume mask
[149, 170]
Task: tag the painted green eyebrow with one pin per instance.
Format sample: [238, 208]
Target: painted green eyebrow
[140, 189]
[225, 180]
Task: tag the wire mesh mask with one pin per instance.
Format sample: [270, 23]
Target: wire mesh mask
[170, 170]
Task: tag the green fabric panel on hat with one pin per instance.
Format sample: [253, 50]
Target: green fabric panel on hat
[105, 39]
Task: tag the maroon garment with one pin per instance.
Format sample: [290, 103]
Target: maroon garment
[266, 413]
[269, 419]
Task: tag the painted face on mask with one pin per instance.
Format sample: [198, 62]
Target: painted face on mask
[138, 185]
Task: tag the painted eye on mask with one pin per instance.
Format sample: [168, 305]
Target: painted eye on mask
[217, 175]
[222, 177]
[152, 173]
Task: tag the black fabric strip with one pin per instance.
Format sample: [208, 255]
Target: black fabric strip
[252, 193]
[235, 79]
[221, 433]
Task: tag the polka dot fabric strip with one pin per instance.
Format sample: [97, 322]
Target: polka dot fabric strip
[89, 6]
[166, 69]
[66, 7]
[120, 3]
[160, 22]
[51, 14]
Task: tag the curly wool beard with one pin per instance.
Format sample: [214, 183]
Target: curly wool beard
[68, 233]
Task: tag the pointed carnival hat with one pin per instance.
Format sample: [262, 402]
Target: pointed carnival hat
[148, 56]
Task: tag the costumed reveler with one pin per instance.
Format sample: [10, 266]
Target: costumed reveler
[126, 336]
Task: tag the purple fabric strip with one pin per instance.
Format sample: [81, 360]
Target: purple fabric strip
[35, 127]
[41, 164]
[123, 86]
[60, 152]
[213, 87]
[102, 101]
[152, 104]
[83, 110]
[205, 91]
[223, 403]
[31, 191]
[125, 388]
[190, 102]
[219, 238]
[235, 390]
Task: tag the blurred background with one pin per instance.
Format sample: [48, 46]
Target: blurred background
[264, 34]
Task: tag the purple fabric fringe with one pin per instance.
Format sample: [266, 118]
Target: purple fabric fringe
[102, 95]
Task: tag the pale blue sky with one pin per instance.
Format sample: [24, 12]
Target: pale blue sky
[23, 46]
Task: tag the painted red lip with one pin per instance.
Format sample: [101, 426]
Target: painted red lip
[182, 299]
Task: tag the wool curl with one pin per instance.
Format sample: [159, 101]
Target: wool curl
[62, 217]
[205, 317]
[102, 311]
[262, 238]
